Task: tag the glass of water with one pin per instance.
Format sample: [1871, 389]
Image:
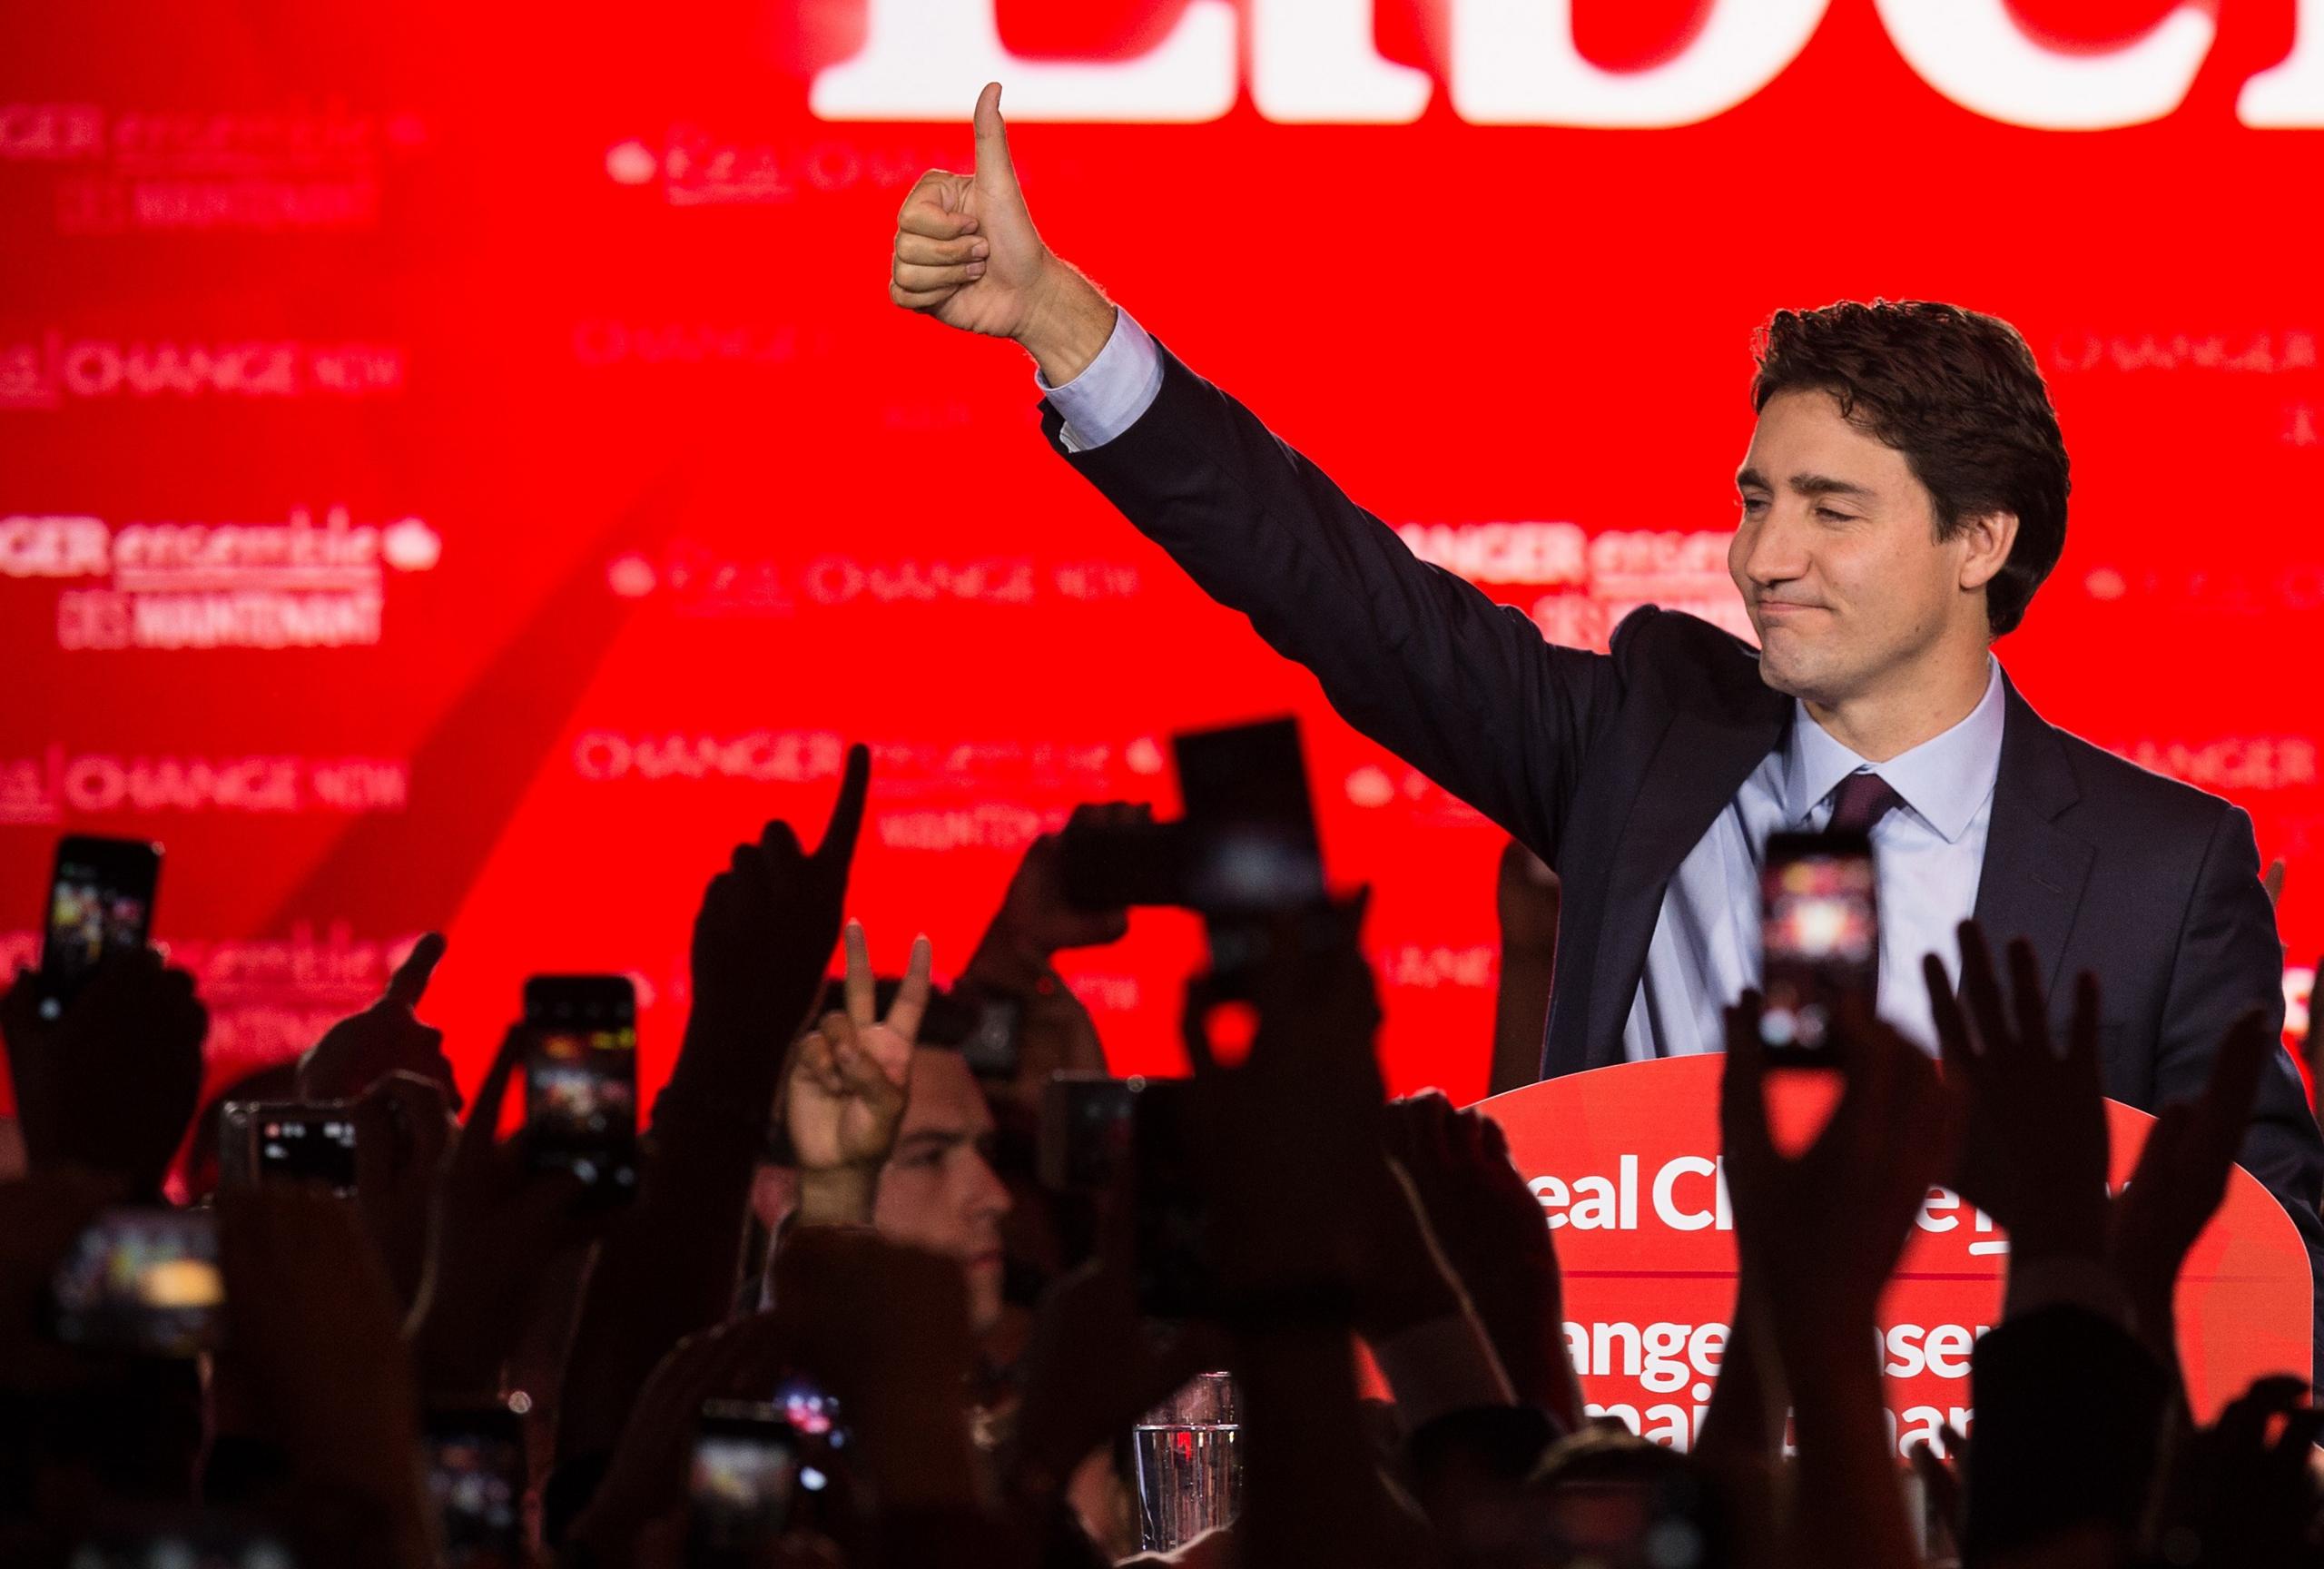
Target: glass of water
[1189, 1469]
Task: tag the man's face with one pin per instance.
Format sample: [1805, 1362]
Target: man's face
[1837, 558]
[936, 1191]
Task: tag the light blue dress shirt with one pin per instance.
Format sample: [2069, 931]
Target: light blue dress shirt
[1706, 945]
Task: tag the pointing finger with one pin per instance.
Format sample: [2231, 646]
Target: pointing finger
[838, 847]
[409, 982]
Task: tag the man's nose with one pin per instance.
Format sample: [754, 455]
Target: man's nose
[988, 1196]
[1778, 552]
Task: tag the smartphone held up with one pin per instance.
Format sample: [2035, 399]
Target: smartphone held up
[740, 1486]
[1819, 939]
[288, 1140]
[1245, 854]
[581, 1080]
[141, 1280]
[475, 1458]
[100, 900]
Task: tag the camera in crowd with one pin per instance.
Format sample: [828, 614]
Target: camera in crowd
[1245, 854]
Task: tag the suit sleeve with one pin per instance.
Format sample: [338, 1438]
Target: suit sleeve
[1465, 690]
[2229, 960]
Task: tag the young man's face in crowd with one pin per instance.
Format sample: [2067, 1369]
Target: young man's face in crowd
[1837, 558]
[937, 1191]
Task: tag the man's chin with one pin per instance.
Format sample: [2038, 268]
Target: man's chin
[1781, 670]
[1785, 672]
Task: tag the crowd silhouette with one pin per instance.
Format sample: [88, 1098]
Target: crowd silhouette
[469, 1357]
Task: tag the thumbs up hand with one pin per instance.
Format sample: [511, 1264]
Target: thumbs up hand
[968, 255]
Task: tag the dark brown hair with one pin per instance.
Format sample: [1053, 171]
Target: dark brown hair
[1956, 391]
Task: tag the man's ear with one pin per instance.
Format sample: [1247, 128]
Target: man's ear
[1987, 540]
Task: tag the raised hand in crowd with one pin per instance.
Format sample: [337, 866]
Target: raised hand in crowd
[1488, 1226]
[1822, 1230]
[2076, 1390]
[2179, 1181]
[1280, 1142]
[111, 1084]
[385, 1038]
[2245, 1491]
[765, 932]
[1093, 1363]
[883, 1330]
[844, 1093]
[1036, 921]
[2034, 1144]
[668, 1270]
[498, 1220]
[637, 1516]
[2030, 1112]
[880, 1327]
[1015, 959]
[886, 1327]
[1296, 1120]
[403, 1124]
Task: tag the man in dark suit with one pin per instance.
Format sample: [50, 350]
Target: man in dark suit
[1903, 496]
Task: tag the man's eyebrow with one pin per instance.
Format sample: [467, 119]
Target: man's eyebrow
[946, 1137]
[1824, 485]
[1806, 484]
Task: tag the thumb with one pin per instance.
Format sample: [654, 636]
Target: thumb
[995, 170]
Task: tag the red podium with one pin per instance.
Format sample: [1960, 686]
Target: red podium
[1625, 1163]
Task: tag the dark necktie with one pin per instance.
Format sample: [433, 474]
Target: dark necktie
[1861, 801]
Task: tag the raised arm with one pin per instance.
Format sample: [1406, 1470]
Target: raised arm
[1465, 689]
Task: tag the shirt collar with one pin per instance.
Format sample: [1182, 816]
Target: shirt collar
[1945, 780]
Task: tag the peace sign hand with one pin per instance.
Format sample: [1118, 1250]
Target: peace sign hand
[845, 1092]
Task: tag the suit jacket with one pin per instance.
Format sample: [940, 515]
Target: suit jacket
[1611, 766]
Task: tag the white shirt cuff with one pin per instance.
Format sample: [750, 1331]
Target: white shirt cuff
[1112, 391]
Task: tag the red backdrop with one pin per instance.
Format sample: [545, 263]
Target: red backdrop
[626, 496]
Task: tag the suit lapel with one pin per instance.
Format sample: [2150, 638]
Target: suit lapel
[1696, 766]
[2032, 881]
